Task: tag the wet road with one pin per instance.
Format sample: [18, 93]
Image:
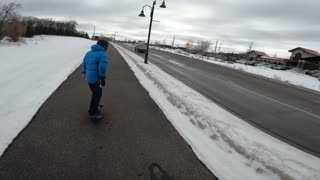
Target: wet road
[289, 113]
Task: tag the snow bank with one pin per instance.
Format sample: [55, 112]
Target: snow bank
[289, 76]
[30, 72]
[231, 148]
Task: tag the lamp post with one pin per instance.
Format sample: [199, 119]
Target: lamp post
[163, 5]
[114, 36]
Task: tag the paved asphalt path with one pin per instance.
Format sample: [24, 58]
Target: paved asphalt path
[134, 141]
[289, 113]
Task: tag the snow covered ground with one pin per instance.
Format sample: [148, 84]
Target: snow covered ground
[289, 76]
[231, 148]
[30, 72]
[228, 146]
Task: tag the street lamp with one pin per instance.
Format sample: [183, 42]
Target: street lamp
[114, 36]
[163, 5]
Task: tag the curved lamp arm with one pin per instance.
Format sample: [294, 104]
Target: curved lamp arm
[142, 11]
[146, 6]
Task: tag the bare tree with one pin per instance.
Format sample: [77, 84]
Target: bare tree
[202, 46]
[250, 47]
[8, 12]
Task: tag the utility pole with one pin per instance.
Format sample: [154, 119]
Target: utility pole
[219, 47]
[215, 49]
[174, 37]
[250, 46]
[94, 32]
[114, 36]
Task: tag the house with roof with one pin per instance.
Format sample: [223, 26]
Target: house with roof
[306, 58]
[301, 53]
[255, 55]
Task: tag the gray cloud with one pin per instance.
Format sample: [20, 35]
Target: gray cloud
[273, 25]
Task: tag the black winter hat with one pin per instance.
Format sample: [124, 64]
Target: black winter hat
[103, 43]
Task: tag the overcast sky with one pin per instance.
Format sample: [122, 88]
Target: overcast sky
[275, 26]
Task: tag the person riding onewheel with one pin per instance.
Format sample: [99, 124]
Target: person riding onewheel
[94, 67]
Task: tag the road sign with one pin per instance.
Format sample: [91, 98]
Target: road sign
[188, 45]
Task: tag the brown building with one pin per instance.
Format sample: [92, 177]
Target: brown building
[273, 60]
[305, 58]
[15, 29]
[255, 55]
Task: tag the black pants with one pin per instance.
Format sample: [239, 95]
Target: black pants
[95, 98]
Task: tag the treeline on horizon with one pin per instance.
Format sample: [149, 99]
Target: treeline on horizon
[14, 25]
[36, 26]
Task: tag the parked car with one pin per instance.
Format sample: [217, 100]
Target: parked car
[140, 48]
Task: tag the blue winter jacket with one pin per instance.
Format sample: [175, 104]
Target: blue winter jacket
[95, 64]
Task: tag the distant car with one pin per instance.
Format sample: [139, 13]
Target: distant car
[140, 48]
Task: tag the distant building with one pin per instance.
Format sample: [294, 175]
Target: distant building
[305, 58]
[273, 60]
[300, 53]
[255, 55]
